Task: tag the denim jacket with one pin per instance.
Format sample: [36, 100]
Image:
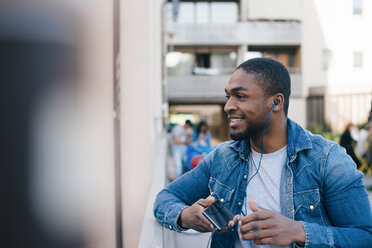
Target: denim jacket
[320, 187]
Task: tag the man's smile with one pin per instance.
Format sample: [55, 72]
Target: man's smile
[235, 120]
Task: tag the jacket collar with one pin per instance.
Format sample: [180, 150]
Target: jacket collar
[297, 140]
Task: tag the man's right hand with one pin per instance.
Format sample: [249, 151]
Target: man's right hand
[192, 217]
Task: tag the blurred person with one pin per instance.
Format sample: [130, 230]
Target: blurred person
[200, 146]
[202, 134]
[36, 56]
[181, 137]
[348, 142]
[361, 145]
[368, 154]
[53, 141]
[285, 186]
[194, 67]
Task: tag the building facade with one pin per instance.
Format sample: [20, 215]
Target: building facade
[325, 51]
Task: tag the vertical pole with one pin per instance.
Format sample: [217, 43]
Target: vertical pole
[116, 115]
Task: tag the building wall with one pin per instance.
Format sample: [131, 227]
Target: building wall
[280, 10]
[337, 34]
[140, 107]
[297, 110]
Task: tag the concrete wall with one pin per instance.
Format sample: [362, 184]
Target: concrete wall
[141, 107]
[273, 9]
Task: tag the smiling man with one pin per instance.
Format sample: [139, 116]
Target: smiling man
[285, 186]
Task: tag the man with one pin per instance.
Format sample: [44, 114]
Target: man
[181, 136]
[285, 186]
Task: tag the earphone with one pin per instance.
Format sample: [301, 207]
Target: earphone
[262, 148]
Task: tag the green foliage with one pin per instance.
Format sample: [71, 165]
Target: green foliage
[369, 188]
[327, 134]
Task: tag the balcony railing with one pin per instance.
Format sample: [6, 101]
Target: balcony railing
[254, 33]
[210, 89]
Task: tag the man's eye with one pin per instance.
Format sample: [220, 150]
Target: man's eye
[240, 96]
[227, 97]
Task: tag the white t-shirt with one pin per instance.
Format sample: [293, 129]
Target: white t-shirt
[264, 187]
[361, 143]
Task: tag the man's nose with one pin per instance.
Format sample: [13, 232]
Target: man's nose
[229, 106]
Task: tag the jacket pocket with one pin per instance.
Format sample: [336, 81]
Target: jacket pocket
[222, 191]
[306, 202]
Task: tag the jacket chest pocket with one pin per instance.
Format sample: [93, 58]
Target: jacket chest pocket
[306, 204]
[221, 190]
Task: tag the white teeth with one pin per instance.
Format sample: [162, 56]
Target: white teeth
[235, 119]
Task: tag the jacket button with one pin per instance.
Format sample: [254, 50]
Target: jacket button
[289, 208]
[312, 207]
[222, 200]
[289, 179]
[239, 203]
[170, 227]
[245, 176]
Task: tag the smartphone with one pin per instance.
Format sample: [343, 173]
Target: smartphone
[218, 214]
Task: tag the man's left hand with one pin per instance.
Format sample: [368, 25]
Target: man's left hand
[266, 227]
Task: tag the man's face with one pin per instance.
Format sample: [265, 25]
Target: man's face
[247, 106]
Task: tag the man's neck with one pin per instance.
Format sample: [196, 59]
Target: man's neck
[274, 139]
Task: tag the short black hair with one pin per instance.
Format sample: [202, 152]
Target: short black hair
[200, 125]
[188, 122]
[272, 76]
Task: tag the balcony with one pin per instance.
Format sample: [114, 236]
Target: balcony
[253, 33]
[202, 89]
[197, 88]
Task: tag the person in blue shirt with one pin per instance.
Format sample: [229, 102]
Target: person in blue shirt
[202, 135]
[285, 186]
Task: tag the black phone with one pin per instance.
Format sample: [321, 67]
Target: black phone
[218, 214]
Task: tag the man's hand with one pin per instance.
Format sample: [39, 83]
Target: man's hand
[266, 227]
[192, 216]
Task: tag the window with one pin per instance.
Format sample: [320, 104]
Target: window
[201, 12]
[326, 59]
[357, 7]
[358, 59]
[203, 60]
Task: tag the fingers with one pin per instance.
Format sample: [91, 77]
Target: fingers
[225, 229]
[255, 216]
[234, 220]
[257, 235]
[230, 224]
[209, 201]
[255, 225]
[206, 202]
[264, 241]
[254, 207]
[192, 217]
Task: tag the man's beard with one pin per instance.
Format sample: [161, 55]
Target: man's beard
[249, 132]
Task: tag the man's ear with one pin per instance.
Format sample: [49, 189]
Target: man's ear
[278, 101]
